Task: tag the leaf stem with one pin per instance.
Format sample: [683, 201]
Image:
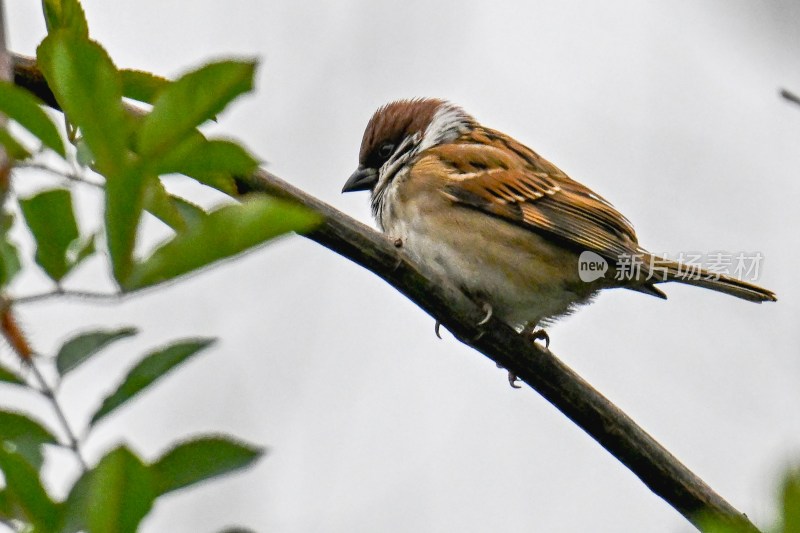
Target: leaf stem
[47, 391]
[105, 297]
[66, 175]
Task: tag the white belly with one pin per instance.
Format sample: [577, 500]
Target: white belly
[524, 277]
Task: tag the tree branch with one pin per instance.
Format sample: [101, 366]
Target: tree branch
[536, 366]
[790, 96]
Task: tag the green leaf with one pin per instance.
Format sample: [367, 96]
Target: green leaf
[6, 506]
[113, 497]
[201, 459]
[51, 219]
[175, 162]
[88, 88]
[26, 434]
[190, 101]
[148, 371]
[25, 490]
[173, 211]
[159, 202]
[13, 147]
[23, 107]
[791, 501]
[67, 15]
[81, 249]
[142, 86]
[80, 348]
[224, 233]
[83, 154]
[9, 260]
[9, 376]
[211, 162]
[125, 197]
[192, 214]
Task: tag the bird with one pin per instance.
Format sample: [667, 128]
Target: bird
[473, 206]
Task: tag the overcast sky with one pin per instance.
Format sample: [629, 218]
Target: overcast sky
[668, 109]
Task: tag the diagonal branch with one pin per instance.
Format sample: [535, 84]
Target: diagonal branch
[537, 367]
[790, 96]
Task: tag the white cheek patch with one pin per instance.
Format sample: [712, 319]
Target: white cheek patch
[448, 123]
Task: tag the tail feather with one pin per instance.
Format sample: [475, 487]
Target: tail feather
[674, 271]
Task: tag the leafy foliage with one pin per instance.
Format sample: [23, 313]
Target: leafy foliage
[142, 86]
[51, 219]
[226, 232]
[189, 101]
[65, 15]
[126, 485]
[88, 88]
[128, 151]
[790, 501]
[152, 368]
[25, 491]
[201, 459]
[79, 349]
[27, 436]
[123, 482]
[9, 255]
[23, 107]
[9, 376]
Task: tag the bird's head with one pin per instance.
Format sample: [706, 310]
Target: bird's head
[399, 131]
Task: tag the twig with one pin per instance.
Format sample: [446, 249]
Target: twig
[790, 96]
[18, 342]
[537, 367]
[66, 175]
[105, 297]
[47, 391]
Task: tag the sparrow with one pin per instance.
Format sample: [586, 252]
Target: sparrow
[472, 205]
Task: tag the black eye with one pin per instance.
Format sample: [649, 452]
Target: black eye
[385, 150]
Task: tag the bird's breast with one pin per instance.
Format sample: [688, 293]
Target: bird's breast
[524, 276]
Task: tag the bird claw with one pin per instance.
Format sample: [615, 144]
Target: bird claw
[539, 334]
[436, 329]
[487, 308]
[512, 378]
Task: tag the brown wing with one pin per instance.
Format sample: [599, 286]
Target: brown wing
[497, 175]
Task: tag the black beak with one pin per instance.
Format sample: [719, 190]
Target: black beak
[362, 179]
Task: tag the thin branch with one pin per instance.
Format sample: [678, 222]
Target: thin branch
[536, 366]
[60, 173]
[21, 347]
[790, 96]
[47, 391]
[105, 297]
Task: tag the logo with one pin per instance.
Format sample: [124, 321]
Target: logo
[591, 266]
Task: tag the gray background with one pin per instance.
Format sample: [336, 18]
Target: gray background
[669, 109]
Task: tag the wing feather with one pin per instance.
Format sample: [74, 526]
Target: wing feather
[495, 174]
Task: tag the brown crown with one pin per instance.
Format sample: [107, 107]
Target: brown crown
[394, 122]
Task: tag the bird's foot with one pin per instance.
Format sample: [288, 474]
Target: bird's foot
[487, 308]
[537, 334]
[512, 378]
[436, 329]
